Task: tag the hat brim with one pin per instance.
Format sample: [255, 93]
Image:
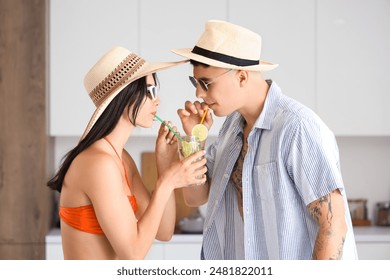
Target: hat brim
[187, 53]
[146, 69]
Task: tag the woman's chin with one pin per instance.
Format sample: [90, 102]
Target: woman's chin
[146, 125]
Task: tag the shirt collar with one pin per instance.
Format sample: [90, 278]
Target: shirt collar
[270, 106]
[265, 118]
[237, 123]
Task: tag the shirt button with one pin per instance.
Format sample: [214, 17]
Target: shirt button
[226, 175]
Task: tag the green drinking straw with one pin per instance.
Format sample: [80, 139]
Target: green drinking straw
[170, 128]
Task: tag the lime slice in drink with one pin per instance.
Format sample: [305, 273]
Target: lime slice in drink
[187, 149]
[200, 131]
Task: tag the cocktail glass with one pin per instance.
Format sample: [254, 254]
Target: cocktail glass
[189, 146]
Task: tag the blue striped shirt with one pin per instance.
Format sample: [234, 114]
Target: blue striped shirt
[292, 160]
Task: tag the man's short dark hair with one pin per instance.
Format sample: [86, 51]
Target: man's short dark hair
[197, 63]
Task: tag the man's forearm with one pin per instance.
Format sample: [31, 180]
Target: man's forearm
[328, 211]
[328, 246]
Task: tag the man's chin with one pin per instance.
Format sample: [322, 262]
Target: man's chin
[218, 114]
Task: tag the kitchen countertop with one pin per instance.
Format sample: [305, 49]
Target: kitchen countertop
[372, 234]
[54, 236]
[362, 234]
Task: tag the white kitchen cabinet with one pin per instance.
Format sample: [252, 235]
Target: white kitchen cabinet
[80, 31]
[288, 39]
[53, 250]
[373, 250]
[373, 242]
[169, 24]
[183, 251]
[53, 245]
[180, 247]
[353, 64]
[156, 252]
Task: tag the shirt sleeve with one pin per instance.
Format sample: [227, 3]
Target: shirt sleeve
[313, 160]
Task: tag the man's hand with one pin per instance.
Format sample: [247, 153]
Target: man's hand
[192, 115]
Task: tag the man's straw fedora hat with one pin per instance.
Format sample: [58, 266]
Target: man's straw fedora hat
[227, 45]
[113, 72]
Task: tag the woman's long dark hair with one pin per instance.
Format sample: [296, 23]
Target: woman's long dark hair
[132, 95]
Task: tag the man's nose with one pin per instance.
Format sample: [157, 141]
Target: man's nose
[200, 93]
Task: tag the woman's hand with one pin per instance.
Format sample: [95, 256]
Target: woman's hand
[192, 115]
[166, 147]
[190, 171]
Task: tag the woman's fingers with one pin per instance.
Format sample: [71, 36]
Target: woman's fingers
[169, 132]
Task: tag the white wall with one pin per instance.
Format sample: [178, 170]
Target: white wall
[365, 165]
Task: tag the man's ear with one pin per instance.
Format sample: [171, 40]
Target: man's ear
[242, 76]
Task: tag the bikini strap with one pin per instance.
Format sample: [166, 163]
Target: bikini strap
[123, 162]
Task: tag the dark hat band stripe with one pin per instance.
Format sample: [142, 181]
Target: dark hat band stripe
[224, 58]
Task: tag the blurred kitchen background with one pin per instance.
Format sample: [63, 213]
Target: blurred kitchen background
[333, 56]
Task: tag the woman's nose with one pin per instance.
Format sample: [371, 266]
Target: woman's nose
[157, 101]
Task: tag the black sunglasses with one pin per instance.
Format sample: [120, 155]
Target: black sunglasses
[205, 85]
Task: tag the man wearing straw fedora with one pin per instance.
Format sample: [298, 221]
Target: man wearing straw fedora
[274, 187]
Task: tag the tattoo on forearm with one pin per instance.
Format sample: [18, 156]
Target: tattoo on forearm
[324, 207]
[316, 210]
[340, 249]
[319, 246]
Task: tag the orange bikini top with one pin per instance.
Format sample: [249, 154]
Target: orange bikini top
[84, 218]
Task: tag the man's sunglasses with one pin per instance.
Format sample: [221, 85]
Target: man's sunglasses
[205, 85]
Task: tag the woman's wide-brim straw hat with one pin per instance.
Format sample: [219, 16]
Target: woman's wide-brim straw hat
[227, 45]
[116, 69]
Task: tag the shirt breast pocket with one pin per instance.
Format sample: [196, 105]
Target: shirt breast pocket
[266, 180]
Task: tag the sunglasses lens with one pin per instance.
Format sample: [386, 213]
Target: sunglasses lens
[203, 85]
[153, 92]
[196, 82]
[193, 81]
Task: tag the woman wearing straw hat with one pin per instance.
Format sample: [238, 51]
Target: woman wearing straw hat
[106, 211]
[274, 187]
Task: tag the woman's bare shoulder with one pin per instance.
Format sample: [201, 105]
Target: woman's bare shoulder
[95, 167]
[94, 158]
